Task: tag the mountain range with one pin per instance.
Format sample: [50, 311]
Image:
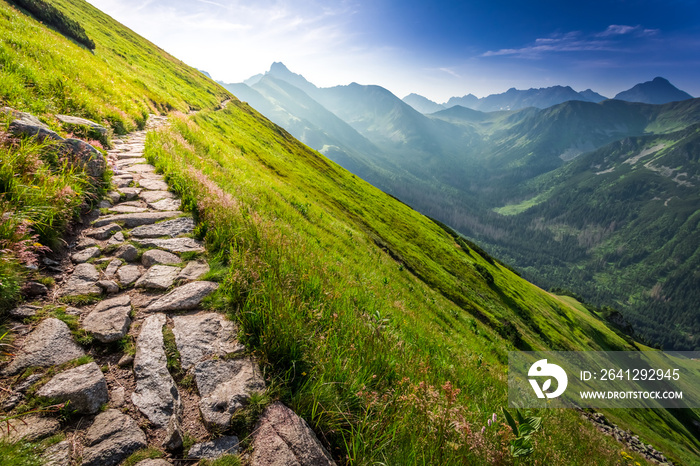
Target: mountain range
[658, 91]
[483, 173]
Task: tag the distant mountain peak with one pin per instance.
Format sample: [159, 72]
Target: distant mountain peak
[280, 71]
[422, 104]
[657, 91]
[278, 67]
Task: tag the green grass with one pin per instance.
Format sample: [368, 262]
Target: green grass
[118, 84]
[40, 195]
[378, 328]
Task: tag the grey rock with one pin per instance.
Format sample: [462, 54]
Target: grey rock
[82, 281]
[127, 209]
[104, 232]
[109, 321]
[159, 277]
[172, 227]
[109, 286]
[122, 181]
[117, 397]
[225, 386]
[226, 445]
[86, 156]
[112, 268]
[72, 120]
[154, 462]
[193, 270]
[153, 185]
[283, 438]
[85, 243]
[28, 125]
[126, 360]
[84, 387]
[118, 238]
[157, 256]
[58, 454]
[199, 336]
[49, 344]
[183, 298]
[24, 311]
[30, 428]
[135, 220]
[74, 311]
[130, 193]
[32, 288]
[140, 168]
[104, 204]
[114, 196]
[155, 395]
[127, 252]
[11, 401]
[111, 439]
[174, 435]
[154, 196]
[166, 204]
[172, 244]
[128, 274]
[85, 255]
[25, 384]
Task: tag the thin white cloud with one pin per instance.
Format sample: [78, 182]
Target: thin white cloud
[576, 41]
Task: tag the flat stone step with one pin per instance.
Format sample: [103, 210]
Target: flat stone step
[135, 220]
[81, 282]
[158, 277]
[166, 204]
[158, 256]
[154, 196]
[282, 437]
[153, 185]
[109, 321]
[127, 209]
[139, 168]
[84, 387]
[111, 439]
[183, 298]
[49, 344]
[175, 227]
[200, 336]
[177, 245]
[156, 394]
[225, 387]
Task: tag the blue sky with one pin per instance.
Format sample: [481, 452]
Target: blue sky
[438, 49]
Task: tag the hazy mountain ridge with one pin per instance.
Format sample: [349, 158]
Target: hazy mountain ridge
[470, 162]
[658, 91]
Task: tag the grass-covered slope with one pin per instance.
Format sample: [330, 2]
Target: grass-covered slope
[369, 316]
[119, 83]
[385, 331]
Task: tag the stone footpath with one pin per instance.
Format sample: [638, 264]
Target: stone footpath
[141, 270]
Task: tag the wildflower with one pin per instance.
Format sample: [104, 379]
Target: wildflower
[493, 418]
[489, 422]
[303, 373]
[483, 429]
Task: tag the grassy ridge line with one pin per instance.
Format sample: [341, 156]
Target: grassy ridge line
[123, 80]
[384, 367]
